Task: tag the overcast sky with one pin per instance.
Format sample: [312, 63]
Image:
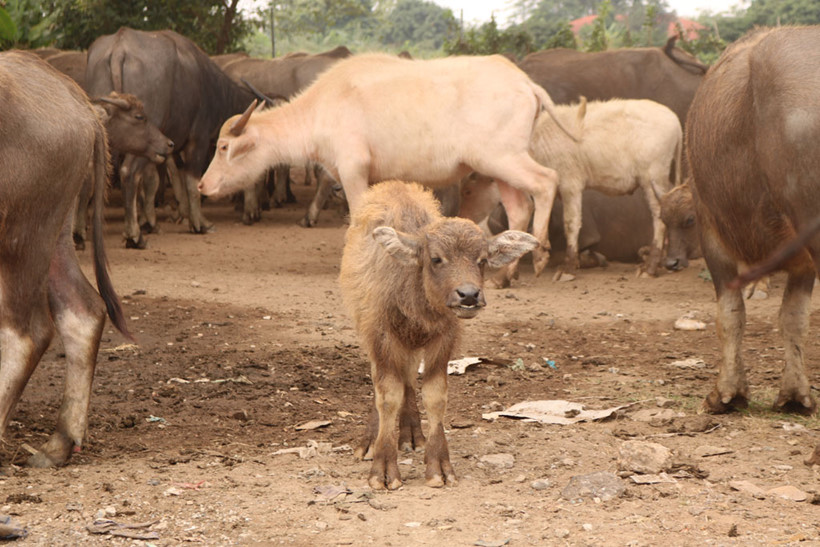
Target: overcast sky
[480, 10]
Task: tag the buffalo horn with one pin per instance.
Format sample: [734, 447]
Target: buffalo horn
[239, 125]
[119, 103]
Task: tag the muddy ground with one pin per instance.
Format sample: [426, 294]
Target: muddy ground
[242, 337]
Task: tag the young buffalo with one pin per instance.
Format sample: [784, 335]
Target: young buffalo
[408, 275]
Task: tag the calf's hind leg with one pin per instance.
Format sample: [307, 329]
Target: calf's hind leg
[411, 436]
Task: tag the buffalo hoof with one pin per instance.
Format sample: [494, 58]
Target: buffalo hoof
[713, 404]
[592, 259]
[204, 229]
[148, 228]
[384, 475]
[540, 258]
[249, 218]
[794, 404]
[306, 222]
[131, 243]
[439, 473]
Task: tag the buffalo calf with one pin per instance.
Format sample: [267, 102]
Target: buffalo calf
[408, 275]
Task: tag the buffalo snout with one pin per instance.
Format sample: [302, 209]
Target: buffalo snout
[676, 264]
[466, 300]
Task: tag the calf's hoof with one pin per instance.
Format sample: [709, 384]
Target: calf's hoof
[793, 403]
[715, 404]
[138, 243]
[381, 482]
[540, 258]
[306, 222]
[148, 228]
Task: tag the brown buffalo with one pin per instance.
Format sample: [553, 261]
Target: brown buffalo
[752, 139]
[49, 138]
[408, 275]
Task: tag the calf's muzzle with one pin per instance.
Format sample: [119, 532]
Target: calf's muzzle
[466, 300]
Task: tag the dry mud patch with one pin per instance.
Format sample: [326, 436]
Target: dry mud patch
[242, 337]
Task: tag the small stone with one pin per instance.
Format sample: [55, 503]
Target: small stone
[687, 323]
[663, 402]
[656, 416]
[587, 527]
[321, 525]
[644, 457]
[520, 478]
[241, 415]
[412, 524]
[602, 486]
[561, 533]
[196, 284]
[788, 492]
[501, 461]
[154, 482]
[110, 511]
[540, 484]
[748, 487]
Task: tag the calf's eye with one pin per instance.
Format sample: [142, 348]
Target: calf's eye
[690, 221]
[436, 260]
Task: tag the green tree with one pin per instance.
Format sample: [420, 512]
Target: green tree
[25, 24]
[216, 26]
[417, 21]
[300, 17]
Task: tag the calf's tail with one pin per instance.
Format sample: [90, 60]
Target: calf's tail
[545, 103]
[101, 172]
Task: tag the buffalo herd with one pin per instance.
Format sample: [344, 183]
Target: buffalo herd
[556, 144]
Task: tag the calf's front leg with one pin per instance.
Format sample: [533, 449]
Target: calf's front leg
[439, 471]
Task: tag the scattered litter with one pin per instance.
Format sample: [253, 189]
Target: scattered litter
[121, 529]
[178, 381]
[172, 491]
[498, 543]
[748, 487]
[553, 412]
[238, 380]
[121, 347]
[688, 363]
[154, 419]
[457, 367]
[550, 363]
[329, 492]
[687, 323]
[10, 529]
[193, 485]
[313, 424]
[313, 449]
[706, 451]
[518, 365]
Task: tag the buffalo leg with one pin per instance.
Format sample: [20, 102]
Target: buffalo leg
[130, 181]
[180, 190]
[658, 230]
[79, 315]
[251, 210]
[389, 388]
[324, 186]
[795, 390]
[411, 437]
[439, 470]
[196, 221]
[731, 390]
[150, 186]
[517, 206]
[573, 214]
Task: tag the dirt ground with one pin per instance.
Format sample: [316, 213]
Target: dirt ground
[242, 337]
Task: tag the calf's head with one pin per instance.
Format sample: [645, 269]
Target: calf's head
[128, 128]
[451, 254]
[234, 165]
[678, 213]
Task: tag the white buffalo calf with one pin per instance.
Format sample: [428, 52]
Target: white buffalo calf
[624, 145]
[377, 117]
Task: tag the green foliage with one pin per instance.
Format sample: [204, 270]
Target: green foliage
[417, 22]
[296, 17]
[487, 39]
[599, 38]
[563, 37]
[707, 47]
[25, 24]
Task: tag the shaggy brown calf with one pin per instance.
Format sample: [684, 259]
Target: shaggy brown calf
[752, 136]
[408, 275]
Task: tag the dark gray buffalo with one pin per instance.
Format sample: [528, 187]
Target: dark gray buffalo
[752, 137]
[49, 138]
[185, 94]
[665, 75]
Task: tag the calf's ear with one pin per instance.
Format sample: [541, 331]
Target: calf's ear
[240, 146]
[403, 247]
[509, 245]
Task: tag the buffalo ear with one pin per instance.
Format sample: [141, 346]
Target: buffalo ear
[403, 247]
[509, 245]
[240, 146]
